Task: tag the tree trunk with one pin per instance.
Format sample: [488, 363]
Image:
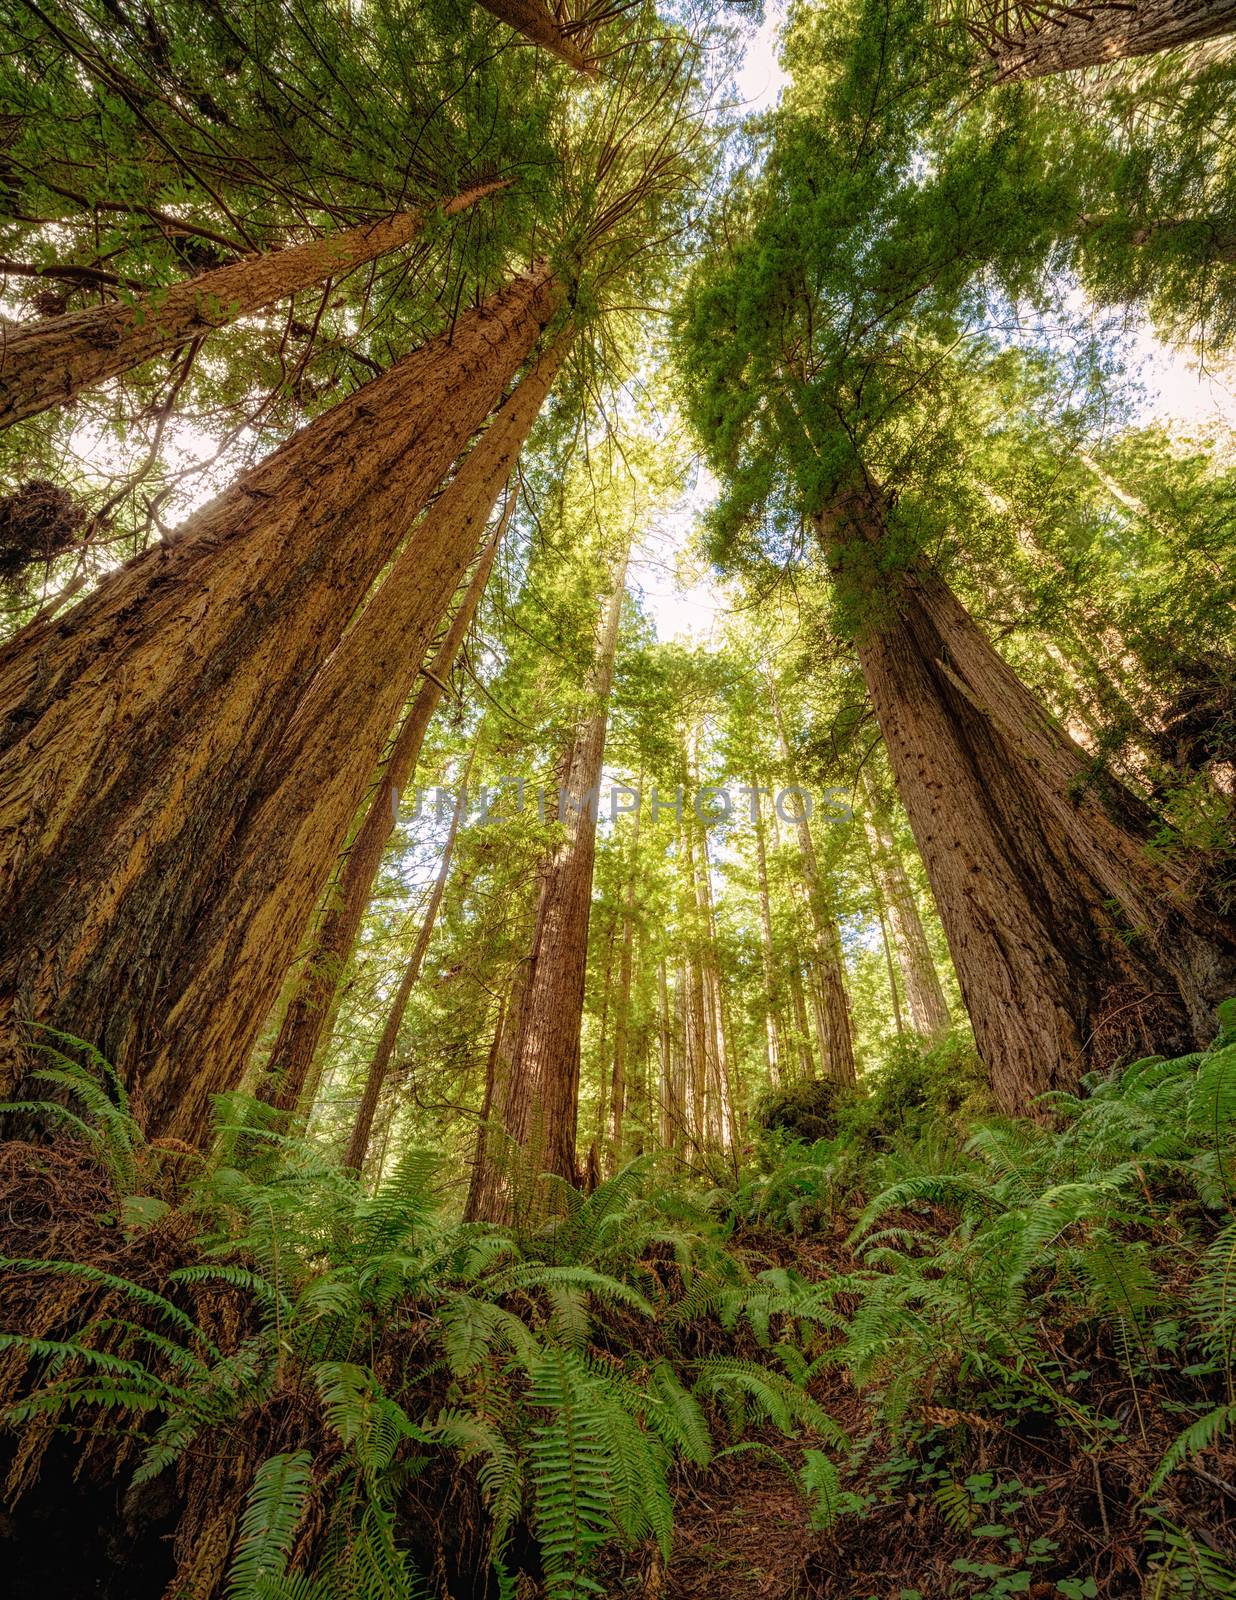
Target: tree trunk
[670, 1121]
[542, 1107]
[603, 1062]
[928, 1007]
[1074, 946]
[618, 1093]
[307, 1021]
[1103, 33]
[727, 1121]
[806, 1061]
[485, 1189]
[533, 19]
[282, 861]
[51, 362]
[834, 1025]
[772, 1034]
[138, 729]
[375, 1080]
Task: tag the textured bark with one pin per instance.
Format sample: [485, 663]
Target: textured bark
[379, 1067]
[51, 362]
[542, 1107]
[534, 20]
[1104, 33]
[282, 861]
[924, 994]
[137, 731]
[1074, 946]
[833, 1013]
[307, 1021]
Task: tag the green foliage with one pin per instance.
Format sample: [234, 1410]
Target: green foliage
[416, 1335]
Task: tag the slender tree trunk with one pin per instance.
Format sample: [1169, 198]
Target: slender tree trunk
[1075, 947]
[772, 1034]
[535, 21]
[542, 1107]
[928, 1007]
[379, 1067]
[806, 1061]
[603, 1061]
[307, 1021]
[139, 731]
[618, 1094]
[669, 1121]
[728, 1111]
[898, 1022]
[835, 1028]
[51, 362]
[485, 1190]
[1067, 41]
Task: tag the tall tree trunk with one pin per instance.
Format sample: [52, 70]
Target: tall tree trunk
[806, 1060]
[535, 21]
[835, 1029]
[307, 1021]
[138, 730]
[1092, 37]
[51, 362]
[670, 1122]
[282, 860]
[1074, 946]
[603, 1060]
[772, 1036]
[618, 1092]
[728, 1117]
[542, 1107]
[379, 1067]
[928, 1007]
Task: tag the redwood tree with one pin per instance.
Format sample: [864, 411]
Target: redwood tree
[137, 728]
[1037, 40]
[540, 1110]
[49, 362]
[306, 1020]
[814, 353]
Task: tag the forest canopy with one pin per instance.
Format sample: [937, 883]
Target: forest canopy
[617, 763]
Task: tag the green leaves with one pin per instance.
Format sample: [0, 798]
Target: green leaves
[273, 1511]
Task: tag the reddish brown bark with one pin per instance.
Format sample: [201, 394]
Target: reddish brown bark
[541, 1110]
[331, 747]
[138, 729]
[1067, 40]
[306, 1022]
[535, 21]
[379, 1067]
[50, 362]
[1074, 945]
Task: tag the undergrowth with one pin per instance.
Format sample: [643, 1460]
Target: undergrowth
[995, 1356]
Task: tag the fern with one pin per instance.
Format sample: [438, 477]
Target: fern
[273, 1511]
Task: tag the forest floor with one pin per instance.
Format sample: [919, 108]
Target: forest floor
[980, 1494]
[1059, 1522]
